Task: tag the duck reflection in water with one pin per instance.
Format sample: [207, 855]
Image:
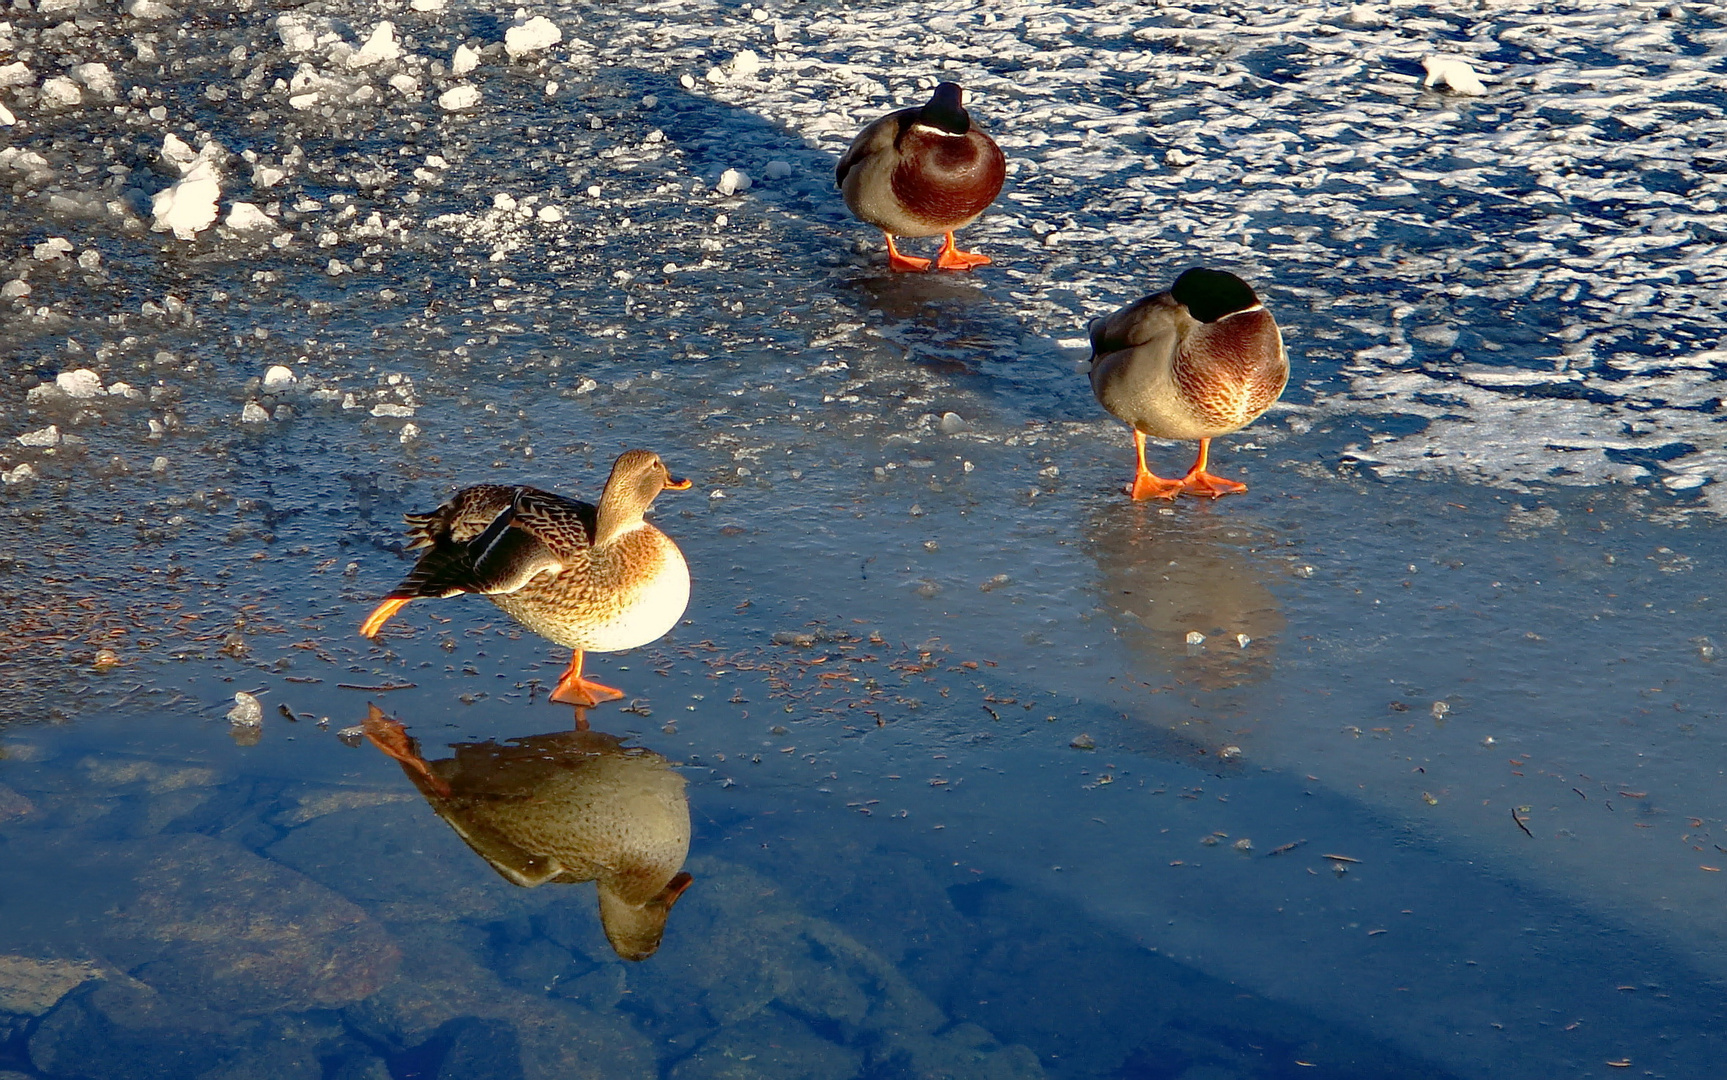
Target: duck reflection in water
[565, 807]
[1165, 577]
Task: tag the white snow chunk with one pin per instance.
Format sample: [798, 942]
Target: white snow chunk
[733, 181]
[745, 64]
[777, 170]
[189, 206]
[459, 98]
[82, 383]
[48, 436]
[126, 390]
[17, 74]
[302, 102]
[14, 159]
[17, 476]
[403, 83]
[267, 176]
[1455, 73]
[6, 117]
[177, 153]
[410, 432]
[381, 47]
[385, 408]
[464, 61]
[248, 711]
[97, 79]
[254, 413]
[246, 217]
[428, 5]
[149, 9]
[537, 33]
[551, 215]
[55, 7]
[52, 248]
[16, 289]
[61, 93]
[503, 201]
[1362, 15]
[279, 375]
[296, 32]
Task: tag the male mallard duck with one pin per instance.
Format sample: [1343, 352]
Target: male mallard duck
[564, 807]
[923, 171]
[593, 578]
[1201, 360]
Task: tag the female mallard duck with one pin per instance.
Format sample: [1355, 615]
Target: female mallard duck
[923, 171]
[1201, 360]
[593, 578]
[565, 807]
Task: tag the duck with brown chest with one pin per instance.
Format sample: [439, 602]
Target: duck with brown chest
[594, 578]
[923, 172]
[1201, 360]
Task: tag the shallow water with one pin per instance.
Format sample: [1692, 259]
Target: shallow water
[1437, 794]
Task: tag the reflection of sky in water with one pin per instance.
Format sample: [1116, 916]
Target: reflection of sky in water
[915, 584]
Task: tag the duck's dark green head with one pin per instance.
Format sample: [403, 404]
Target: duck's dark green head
[946, 110]
[1209, 295]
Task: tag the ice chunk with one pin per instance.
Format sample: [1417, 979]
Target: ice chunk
[537, 33]
[19, 475]
[267, 176]
[97, 79]
[385, 408]
[403, 83]
[733, 181]
[279, 375]
[48, 436]
[1362, 15]
[149, 9]
[1455, 73]
[379, 48]
[777, 170]
[428, 5]
[410, 432]
[56, 7]
[745, 64]
[248, 711]
[82, 384]
[6, 117]
[17, 74]
[459, 98]
[464, 61]
[254, 413]
[296, 32]
[52, 248]
[16, 289]
[189, 206]
[246, 217]
[1194, 637]
[551, 215]
[177, 153]
[953, 423]
[61, 93]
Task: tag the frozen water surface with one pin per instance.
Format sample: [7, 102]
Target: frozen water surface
[1406, 763]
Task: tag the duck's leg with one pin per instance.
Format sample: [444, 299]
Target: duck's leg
[896, 261]
[572, 689]
[381, 615]
[951, 257]
[392, 738]
[1145, 485]
[1204, 484]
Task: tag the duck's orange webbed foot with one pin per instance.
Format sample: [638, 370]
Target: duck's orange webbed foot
[572, 689]
[1207, 486]
[896, 261]
[392, 738]
[1146, 486]
[950, 257]
[381, 615]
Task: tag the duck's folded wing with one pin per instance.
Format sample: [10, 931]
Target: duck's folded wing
[511, 552]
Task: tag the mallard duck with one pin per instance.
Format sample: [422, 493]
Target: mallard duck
[596, 579]
[1201, 360]
[565, 807]
[923, 171]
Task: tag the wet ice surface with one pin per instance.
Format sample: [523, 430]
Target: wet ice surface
[1472, 591]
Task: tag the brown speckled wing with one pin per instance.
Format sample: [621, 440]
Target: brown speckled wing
[493, 539]
[1231, 370]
